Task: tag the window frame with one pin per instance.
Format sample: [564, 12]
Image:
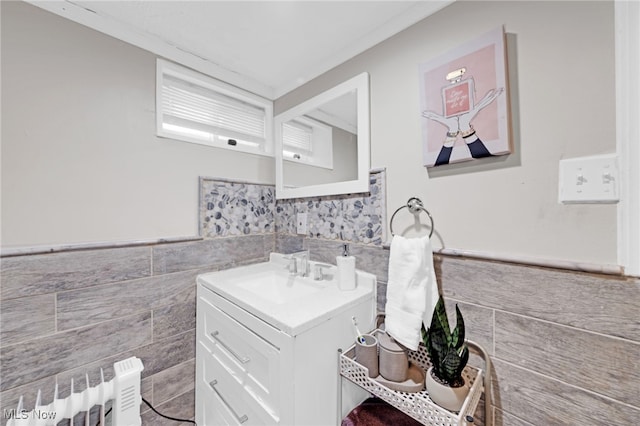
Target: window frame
[164, 67]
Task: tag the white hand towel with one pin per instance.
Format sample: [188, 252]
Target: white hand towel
[412, 289]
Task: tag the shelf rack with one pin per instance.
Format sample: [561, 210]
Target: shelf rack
[418, 405]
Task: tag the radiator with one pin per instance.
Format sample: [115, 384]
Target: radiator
[123, 391]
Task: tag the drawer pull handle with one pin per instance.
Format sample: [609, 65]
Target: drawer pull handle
[241, 419]
[242, 359]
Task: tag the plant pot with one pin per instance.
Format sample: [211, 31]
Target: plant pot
[444, 395]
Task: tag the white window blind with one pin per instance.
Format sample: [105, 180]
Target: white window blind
[309, 141]
[196, 109]
[297, 137]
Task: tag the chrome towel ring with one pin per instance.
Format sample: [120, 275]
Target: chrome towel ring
[415, 206]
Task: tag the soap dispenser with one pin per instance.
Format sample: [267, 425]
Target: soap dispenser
[346, 270]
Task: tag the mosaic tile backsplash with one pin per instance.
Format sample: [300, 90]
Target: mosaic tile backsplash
[352, 217]
[234, 208]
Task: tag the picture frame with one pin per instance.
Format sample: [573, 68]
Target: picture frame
[464, 102]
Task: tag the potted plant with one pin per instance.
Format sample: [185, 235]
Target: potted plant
[449, 355]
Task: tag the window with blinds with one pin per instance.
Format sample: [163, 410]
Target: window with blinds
[297, 139]
[195, 108]
[309, 141]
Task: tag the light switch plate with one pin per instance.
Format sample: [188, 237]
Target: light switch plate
[301, 223]
[589, 180]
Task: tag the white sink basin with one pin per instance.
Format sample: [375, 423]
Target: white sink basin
[288, 302]
[279, 287]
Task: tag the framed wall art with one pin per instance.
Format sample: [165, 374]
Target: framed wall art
[464, 102]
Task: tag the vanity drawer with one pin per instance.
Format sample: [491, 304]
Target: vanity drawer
[266, 331]
[214, 410]
[219, 411]
[234, 402]
[250, 361]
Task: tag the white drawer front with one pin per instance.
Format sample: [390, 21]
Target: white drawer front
[215, 411]
[251, 362]
[219, 409]
[237, 399]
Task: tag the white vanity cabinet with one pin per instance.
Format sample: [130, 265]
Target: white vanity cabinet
[237, 369]
[260, 365]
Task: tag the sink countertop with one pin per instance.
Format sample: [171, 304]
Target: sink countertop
[289, 303]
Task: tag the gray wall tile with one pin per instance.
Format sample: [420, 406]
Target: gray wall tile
[166, 353]
[9, 398]
[215, 252]
[606, 365]
[269, 245]
[155, 357]
[90, 305]
[27, 317]
[92, 370]
[186, 256]
[48, 273]
[501, 418]
[28, 361]
[289, 243]
[174, 381]
[541, 400]
[374, 260]
[478, 322]
[381, 296]
[146, 390]
[175, 319]
[182, 407]
[598, 303]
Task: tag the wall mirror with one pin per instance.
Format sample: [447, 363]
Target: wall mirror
[322, 144]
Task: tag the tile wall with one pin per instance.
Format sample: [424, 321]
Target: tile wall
[565, 345]
[356, 218]
[240, 208]
[66, 313]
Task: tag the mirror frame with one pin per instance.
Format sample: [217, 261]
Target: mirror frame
[360, 83]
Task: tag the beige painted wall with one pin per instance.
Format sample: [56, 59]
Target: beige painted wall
[563, 94]
[80, 159]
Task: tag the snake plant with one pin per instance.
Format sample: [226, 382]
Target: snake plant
[447, 350]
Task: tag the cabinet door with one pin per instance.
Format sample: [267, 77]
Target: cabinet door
[240, 359]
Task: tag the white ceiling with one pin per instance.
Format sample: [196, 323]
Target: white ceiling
[266, 47]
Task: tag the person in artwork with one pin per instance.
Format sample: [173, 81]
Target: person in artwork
[461, 125]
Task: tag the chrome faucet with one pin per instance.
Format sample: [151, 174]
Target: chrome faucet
[318, 271]
[303, 255]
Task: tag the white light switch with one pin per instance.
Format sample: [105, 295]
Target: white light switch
[301, 223]
[589, 179]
